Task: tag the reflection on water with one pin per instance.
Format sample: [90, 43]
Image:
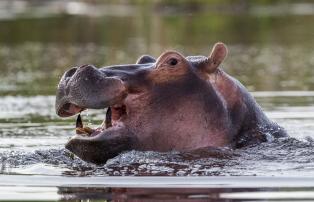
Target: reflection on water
[188, 194]
[270, 51]
[226, 189]
[93, 194]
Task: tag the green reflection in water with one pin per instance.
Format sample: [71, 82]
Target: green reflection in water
[267, 52]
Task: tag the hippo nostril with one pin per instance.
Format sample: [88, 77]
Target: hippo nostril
[84, 66]
[70, 72]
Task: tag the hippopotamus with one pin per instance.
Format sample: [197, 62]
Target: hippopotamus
[169, 103]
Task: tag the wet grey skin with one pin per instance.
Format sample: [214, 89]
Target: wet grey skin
[88, 87]
[83, 86]
[172, 103]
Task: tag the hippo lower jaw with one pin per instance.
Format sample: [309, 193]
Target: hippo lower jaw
[100, 144]
[114, 119]
[103, 146]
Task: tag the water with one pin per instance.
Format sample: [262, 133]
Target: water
[270, 52]
[33, 137]
[158, 189]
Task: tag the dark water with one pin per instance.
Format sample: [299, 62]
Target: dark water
[270, 52]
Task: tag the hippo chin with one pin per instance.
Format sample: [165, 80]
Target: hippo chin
[171, 103]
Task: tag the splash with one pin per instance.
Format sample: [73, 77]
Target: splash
[281, 157]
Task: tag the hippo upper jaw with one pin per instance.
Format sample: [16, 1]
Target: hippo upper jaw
[87, 87]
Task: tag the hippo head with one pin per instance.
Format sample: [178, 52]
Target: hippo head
[163, 104]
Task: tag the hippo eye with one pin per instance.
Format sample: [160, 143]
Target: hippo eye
[172, 61]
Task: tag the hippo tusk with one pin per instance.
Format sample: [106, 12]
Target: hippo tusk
[108, 122]
[80, 130]
[79, 123]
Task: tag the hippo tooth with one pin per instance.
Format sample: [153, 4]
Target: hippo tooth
[79, 123]
[108, 123]
[81, 131]
[88, 130]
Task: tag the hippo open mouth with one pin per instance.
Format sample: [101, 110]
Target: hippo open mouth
[89, 142]
[172, 103]
[114, 117]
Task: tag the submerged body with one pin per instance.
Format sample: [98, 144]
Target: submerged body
[172, 103]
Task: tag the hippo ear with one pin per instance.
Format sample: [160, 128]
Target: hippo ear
[218, 54]
[145, 59]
